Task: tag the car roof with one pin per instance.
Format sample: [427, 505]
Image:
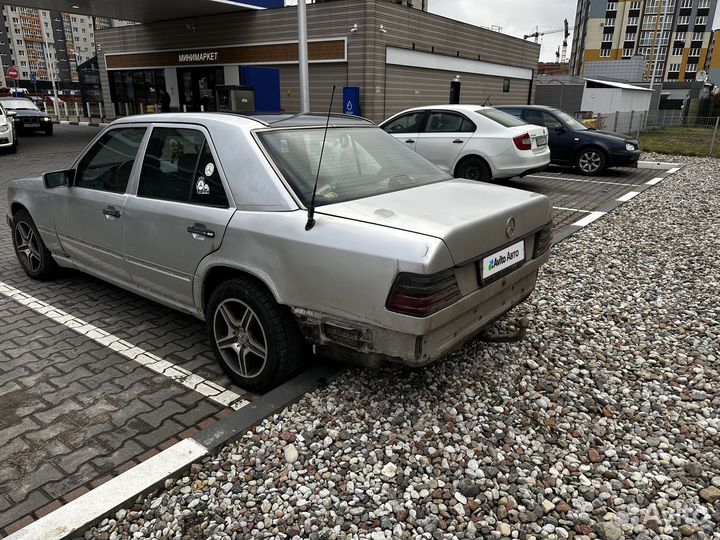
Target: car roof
[448, 107]
[8, 98]
[309, 119]
[538, 107]
[250, 120]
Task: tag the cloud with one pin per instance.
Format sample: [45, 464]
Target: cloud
[516, 17]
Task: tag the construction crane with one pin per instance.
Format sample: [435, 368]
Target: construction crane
[566, 29]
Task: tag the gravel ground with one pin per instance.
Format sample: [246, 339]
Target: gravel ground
[603, 423]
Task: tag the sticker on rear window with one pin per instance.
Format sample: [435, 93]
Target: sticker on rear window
[202, 187]
[209, 169]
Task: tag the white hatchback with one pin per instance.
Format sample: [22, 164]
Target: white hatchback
[471, 141]
[8, 135]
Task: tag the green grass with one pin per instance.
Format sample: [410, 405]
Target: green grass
[681, 141]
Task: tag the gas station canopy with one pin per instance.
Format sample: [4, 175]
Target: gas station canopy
[148, 10]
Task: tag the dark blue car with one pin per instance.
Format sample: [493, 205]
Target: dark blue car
[572, 144]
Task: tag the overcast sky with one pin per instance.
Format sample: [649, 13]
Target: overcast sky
[518, 17]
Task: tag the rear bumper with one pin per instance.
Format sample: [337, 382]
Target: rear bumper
[520, 163]
[349, 341]
[533, 171]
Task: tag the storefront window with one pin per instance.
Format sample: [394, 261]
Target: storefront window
[136, 91]
[197, 87]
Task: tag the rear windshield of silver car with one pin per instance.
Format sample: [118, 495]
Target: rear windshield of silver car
[501, 117]
[357, 162]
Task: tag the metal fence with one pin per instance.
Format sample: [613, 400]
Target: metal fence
[76, 111]
[699, 132]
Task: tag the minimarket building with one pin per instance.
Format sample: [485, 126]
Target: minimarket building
[386, 57]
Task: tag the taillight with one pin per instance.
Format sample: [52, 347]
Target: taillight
[422, 295]
[523, 142]
[543, 240]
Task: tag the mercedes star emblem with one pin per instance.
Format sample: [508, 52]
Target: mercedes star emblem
[510, 227]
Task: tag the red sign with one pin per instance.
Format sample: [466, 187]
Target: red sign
[13, 73]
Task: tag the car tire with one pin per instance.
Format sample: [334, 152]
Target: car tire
[591, 162]
[30, 250]
[49, 130]
[473, 168]
[256, 341]
[13, 148]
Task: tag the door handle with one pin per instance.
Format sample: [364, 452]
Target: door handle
[111, 212]
[458, 141]
[201, 230]
[410, 141]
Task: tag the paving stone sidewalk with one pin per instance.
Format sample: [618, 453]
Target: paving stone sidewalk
[72, 412]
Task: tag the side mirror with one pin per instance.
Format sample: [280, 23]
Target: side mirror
[58, 179]
[11, 114]
[559, 129]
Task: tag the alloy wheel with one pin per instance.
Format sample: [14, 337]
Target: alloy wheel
[590, 161]
[27, 246]
[240, 338]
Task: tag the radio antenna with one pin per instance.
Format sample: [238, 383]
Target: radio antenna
[311, 209]
[486, 101]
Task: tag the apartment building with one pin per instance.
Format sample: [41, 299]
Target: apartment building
[673, 36]
[712, 64]
[44, 44]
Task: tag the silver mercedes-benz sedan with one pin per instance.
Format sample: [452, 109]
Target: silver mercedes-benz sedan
[369, 255]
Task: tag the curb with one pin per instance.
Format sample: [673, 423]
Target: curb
[659, 165]
[86, 124]
[72, 519]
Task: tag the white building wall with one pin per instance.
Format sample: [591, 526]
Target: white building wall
[612, 100]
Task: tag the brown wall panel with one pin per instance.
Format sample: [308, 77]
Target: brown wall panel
[414, 87]
[252, 54]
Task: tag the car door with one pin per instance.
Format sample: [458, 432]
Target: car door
[88, 214]
[560, 138]
[443, 138]
[179, 211]
[406, 127]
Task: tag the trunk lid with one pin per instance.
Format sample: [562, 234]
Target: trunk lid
[538, 135]
[470, 217]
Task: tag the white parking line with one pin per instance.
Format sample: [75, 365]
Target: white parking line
[587, 220]
[579, 180]
[209, 389]
[572, 209]
[654, 181]
[629, 195]
[81, 512]
[673, 170]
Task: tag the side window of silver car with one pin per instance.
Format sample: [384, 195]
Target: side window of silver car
[179, 166]
[108, 164]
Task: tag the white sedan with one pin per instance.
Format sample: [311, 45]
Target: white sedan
[471, 141]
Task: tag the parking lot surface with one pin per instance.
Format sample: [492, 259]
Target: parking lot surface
[575, 196]
[95, 379]
[76, 407]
